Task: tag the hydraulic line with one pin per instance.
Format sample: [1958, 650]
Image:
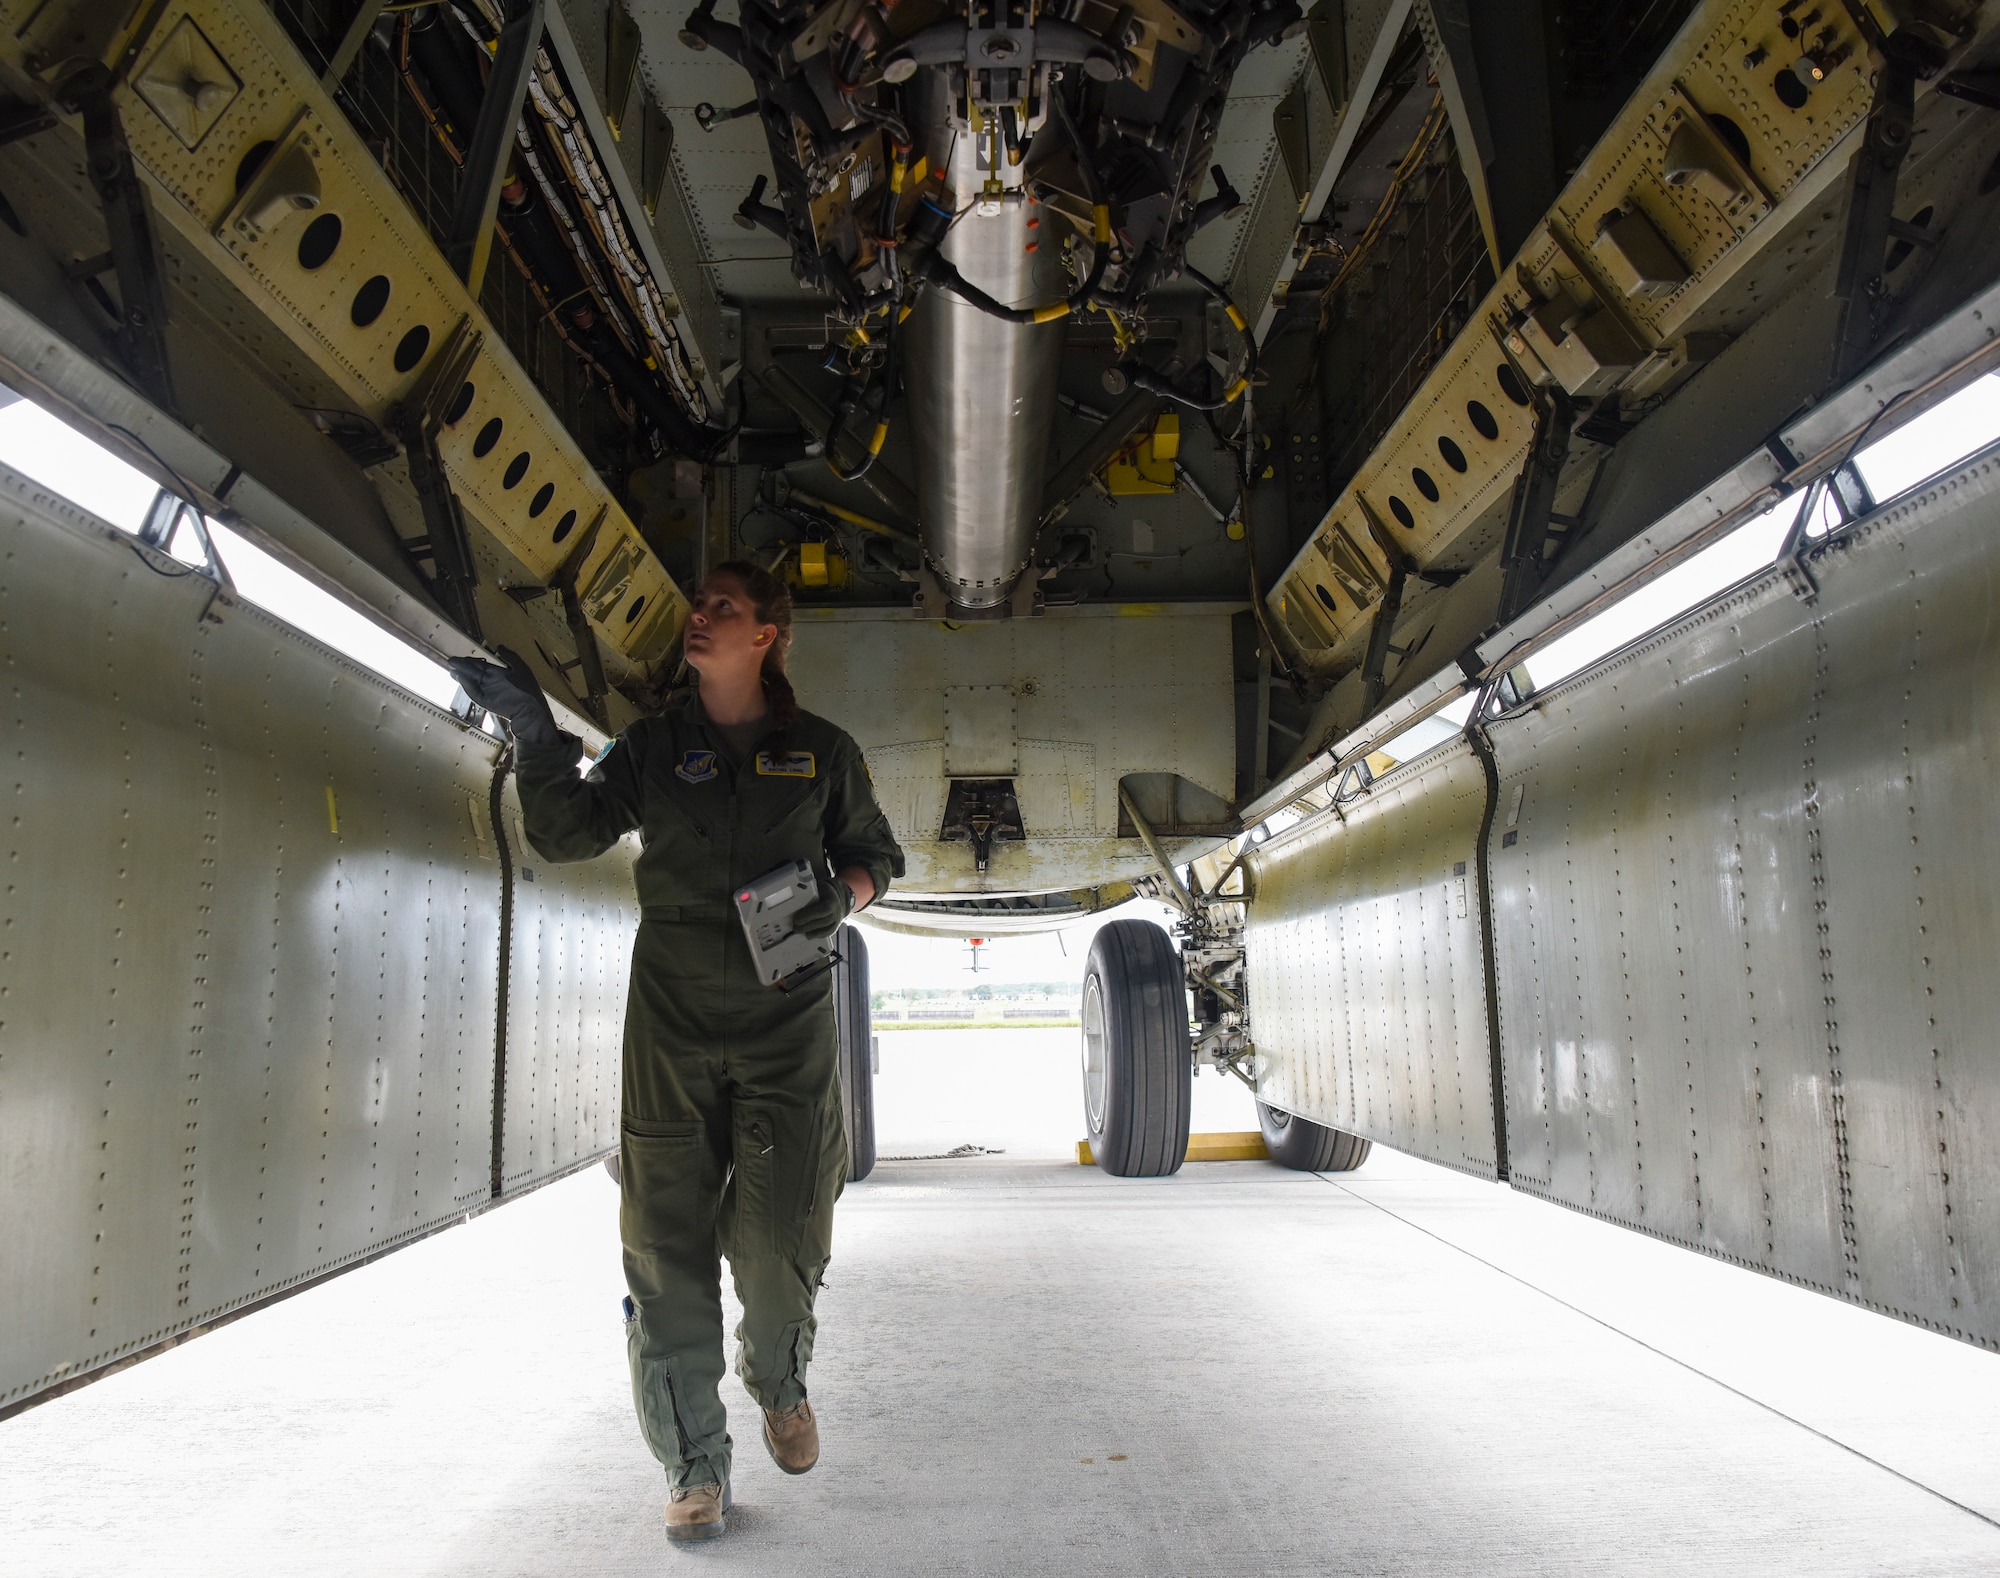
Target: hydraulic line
[1142, 377]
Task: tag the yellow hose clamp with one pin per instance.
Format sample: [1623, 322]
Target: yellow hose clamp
[1051, 313]
[1101, 214]
[1236, 390]
[879, 438]
[1236, 317]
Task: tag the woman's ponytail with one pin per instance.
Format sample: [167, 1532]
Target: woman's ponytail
[772, 600]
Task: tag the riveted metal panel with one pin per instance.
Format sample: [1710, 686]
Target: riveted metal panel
[572, 951]
[1365, 968]
[1744, 923]
[1099, 692]
[249, 958]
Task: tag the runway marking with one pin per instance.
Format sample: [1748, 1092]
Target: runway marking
[1769, 1408]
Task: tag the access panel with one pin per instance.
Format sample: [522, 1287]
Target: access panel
[249, 959]
[1745, 922]
[1366, 977]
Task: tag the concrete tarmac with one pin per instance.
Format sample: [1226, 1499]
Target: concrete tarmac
[1029, 1367]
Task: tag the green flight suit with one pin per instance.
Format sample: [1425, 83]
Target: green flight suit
[731, 1141]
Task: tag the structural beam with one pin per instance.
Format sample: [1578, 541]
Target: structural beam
[1492, 66]
[1367, 57]
[469, 242]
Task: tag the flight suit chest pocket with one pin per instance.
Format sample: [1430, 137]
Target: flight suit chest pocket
[794, 809]
[777, 1170]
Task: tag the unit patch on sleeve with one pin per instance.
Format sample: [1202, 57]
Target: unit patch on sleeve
[696, 767]
[786, 764]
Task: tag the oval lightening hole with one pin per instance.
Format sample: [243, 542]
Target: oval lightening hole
[1402, 513]
[369, 301]
[517, 468]
[1732, 136]
[632, 613]
[1482, 419]
[460, 404]
[1425, 486]
[489, 435]
[564, 526]
[541, 499]
[251, 162]
[411, 347]
[1454, 457]
[1510, 385]
[1325, 598]
[321, 239]
[1791, 92]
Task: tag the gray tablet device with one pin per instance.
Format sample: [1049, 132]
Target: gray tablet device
[767, 907]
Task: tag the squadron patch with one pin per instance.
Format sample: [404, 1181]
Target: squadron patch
[696, 767]
[786, 764]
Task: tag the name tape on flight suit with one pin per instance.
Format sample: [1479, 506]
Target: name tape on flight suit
[786, 764]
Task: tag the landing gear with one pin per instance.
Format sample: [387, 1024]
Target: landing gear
[1137, 1068]
[1308, 1147]
[857, 1052]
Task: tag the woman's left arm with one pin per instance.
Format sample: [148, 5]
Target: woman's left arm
[860, 848]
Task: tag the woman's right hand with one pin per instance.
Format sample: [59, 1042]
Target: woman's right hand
[511, 692]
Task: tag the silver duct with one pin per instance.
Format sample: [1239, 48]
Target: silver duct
[983, 391]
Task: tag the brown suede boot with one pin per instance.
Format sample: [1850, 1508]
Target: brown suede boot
[695, 1512]
[792, 1438]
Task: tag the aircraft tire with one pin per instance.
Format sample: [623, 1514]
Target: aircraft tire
[1308, 1147]
[857, 1061]
[1137, 1066]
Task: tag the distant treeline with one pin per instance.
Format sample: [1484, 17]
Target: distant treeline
[1011, 992]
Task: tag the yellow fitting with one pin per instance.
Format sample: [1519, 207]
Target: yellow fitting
[1050, 314]
[881, 436]
[1236, 317]
[1101, 213]
[1236, 390]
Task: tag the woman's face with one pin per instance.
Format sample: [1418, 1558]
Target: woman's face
[724, 638]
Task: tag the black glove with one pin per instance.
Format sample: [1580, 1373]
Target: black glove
[828, 910]
[512, 693]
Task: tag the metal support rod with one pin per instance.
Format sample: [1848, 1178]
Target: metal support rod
[348, 50]
[1182, 899]
[128, 220]
[589, 660]
[469, 240]
[451, 550]
[1524, 554]
[1223, 992]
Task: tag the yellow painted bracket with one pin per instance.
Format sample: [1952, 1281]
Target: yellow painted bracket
[1148, 467]
[1241, 1146]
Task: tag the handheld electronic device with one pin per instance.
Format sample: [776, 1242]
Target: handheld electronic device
[767, 908]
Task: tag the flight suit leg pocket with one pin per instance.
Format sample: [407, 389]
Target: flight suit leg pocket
[778, 1149]
[663, 1185]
